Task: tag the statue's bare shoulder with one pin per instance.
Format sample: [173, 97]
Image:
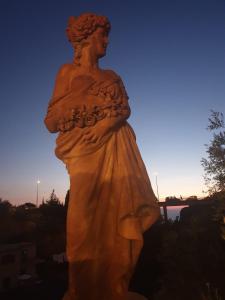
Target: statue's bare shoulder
[62, 82]
[64, 72]
[110, 74]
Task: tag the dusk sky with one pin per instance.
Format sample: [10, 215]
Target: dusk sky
[171, 57]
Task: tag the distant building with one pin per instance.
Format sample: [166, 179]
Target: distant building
[17, 264]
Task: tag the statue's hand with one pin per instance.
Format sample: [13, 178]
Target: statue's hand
[96, 133]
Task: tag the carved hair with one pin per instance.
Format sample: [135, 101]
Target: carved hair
[79, 28]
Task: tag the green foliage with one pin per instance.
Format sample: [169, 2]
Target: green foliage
[216, 120]
[52, 209]
[5, 208]
[219, 211]
[51, 227]
[44, 225]
[190, 255]
[214, 164]
[53, 200]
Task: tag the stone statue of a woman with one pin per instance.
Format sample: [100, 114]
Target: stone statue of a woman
[111, 200]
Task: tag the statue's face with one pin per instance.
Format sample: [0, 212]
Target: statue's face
[98, 41]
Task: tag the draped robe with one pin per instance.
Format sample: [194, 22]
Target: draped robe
[111, 199]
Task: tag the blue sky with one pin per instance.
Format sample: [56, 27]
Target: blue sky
[171, 57]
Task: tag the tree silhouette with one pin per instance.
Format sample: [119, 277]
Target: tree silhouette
[51, 228]
[5, 208]
[214, 165]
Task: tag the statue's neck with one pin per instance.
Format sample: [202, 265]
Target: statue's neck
[88, 62]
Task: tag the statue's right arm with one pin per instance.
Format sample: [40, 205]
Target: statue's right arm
[62, 83]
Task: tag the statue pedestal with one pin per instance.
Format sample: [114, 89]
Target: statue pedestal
[135, 296]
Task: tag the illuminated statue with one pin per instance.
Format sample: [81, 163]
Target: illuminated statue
[111, 200]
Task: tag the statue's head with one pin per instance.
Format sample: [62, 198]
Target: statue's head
[88, 30]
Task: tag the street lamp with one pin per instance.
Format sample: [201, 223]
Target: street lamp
[38, 182]
[156, 182]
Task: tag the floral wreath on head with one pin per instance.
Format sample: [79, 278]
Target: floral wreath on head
[81, 27]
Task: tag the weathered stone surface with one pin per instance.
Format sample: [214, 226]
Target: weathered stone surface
[111, 200]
